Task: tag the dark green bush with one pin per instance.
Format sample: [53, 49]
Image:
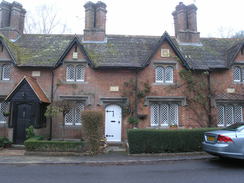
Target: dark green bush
[92, 125]
[30, 132]
[5, 142]
[165, 140]
[33, 144]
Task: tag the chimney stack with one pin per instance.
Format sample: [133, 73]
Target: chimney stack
[95, 22]
[12, 16]
[185, 21]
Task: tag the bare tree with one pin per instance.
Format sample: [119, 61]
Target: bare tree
[44, 20]
[225, 32]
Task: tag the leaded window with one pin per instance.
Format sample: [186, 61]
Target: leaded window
[73, 117]
[159, 74]
[80, 70]
[164, 114]
[164, 74]
[229, 114]
[3, 109]
[238, 74]
[5, 72]
[75, 73]
[70, 73]
[169, 74]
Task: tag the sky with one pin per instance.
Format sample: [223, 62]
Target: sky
[215, 18]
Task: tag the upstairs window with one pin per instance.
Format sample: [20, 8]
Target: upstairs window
[73, 117]
[5, 72]
[75, 73]
[237, 74]
[164, 74]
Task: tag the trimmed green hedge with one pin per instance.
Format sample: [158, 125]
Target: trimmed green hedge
[165, 140]
[4, 142]
[53, 146]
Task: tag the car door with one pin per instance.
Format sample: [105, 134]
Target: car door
[239, 141]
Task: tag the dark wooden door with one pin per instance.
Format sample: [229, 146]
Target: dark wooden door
[22, 122]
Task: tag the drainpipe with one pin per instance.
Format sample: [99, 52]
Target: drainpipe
[136, 93]
[209, 100]
[51, 119]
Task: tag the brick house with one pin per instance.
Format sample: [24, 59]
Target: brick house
[104, 72]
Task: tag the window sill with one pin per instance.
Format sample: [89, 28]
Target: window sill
[164, 84]
[75, 82]
[239, 83]
[5, 81]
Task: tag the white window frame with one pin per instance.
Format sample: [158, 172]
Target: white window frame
[4, 67]
[163, 76]
[68, 71]
[75, 78]
[171, 73]
[73, 113]
[160, 122]
[239, 70]
[222, 109]
[82, 73]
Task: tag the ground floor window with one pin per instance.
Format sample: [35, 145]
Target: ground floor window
[73, 117]
[164, 114]
[229, 114]
[3, 109]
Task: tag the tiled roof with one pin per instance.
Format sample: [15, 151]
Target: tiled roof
[35, 87]
[121, 51]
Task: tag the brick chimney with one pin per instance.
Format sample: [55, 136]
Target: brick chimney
[95, 22]
[185, 21]
[12, 16]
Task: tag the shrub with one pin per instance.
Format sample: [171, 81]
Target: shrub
[92, 126]
[5, 142]
[165, 140]
[30, 132]
[34, 144]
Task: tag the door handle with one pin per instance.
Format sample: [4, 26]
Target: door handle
[118, 121]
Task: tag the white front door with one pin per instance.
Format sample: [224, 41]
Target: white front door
[113, 122]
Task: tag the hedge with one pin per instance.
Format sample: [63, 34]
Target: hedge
[165, 140]
[5, 142]
[33, 144]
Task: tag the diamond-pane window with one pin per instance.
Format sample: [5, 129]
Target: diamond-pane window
[173, 114]
[3, 108]
[220, 115]
[79, 107]
[169, 75]
[229, 115]
[159, 74]
[164, 114]
[154, 115]
[164, 74]
[237, 114]
[70, 73]
[6, 72]
[237, 74]
[80, 73]
[73, 117]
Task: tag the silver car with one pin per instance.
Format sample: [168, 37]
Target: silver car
[227, 142]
